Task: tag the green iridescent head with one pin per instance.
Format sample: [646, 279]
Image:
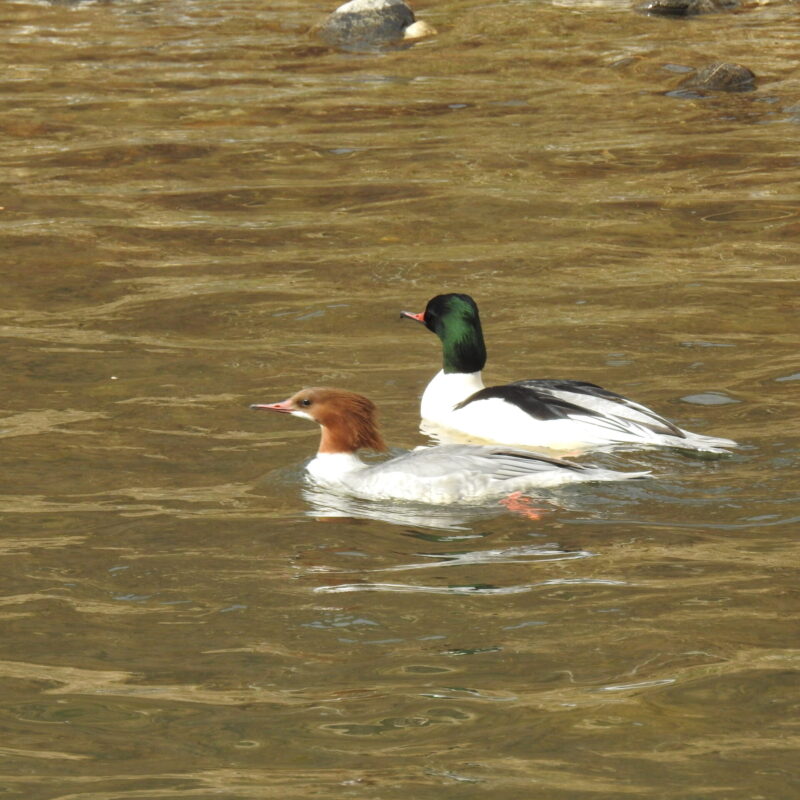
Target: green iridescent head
[454, 319]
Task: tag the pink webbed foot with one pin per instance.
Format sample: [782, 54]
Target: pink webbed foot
[518, 503]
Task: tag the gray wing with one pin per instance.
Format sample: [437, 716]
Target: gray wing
[500, 462]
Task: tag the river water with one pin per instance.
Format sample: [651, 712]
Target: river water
[203, 208]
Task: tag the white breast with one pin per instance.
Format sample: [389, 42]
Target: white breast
[445, 391]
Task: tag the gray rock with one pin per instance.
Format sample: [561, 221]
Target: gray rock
[721, 78]
[366, 24]
[686, 8]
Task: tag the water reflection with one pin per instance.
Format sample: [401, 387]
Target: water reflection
[326, 505]
[523, 554]
[466, 589]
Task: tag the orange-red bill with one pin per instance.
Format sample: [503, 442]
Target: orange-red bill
[283, 406]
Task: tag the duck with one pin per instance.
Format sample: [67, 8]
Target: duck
[438, 475]
[560, 415]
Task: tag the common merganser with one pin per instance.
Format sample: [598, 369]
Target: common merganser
[555, 414]
[439, 475]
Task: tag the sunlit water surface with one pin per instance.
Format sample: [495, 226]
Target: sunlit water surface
[203, 208]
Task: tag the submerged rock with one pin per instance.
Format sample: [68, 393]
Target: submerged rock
[686, 8]
[364, 24]
[721, 78]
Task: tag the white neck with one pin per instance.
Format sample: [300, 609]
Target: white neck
[447, 390]
[332, 468]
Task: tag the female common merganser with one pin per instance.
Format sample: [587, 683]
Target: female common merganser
[439, 475]
[556, 414]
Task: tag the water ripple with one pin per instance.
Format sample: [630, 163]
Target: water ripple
[475, 589]
[525, 554]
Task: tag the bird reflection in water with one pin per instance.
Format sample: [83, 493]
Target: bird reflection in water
[329, 506]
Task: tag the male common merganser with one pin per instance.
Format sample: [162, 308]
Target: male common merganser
[556, 414]
[438, 475]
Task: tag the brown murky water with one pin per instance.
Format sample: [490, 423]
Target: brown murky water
[202, 208]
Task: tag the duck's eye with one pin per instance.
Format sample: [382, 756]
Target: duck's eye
[305, 402]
